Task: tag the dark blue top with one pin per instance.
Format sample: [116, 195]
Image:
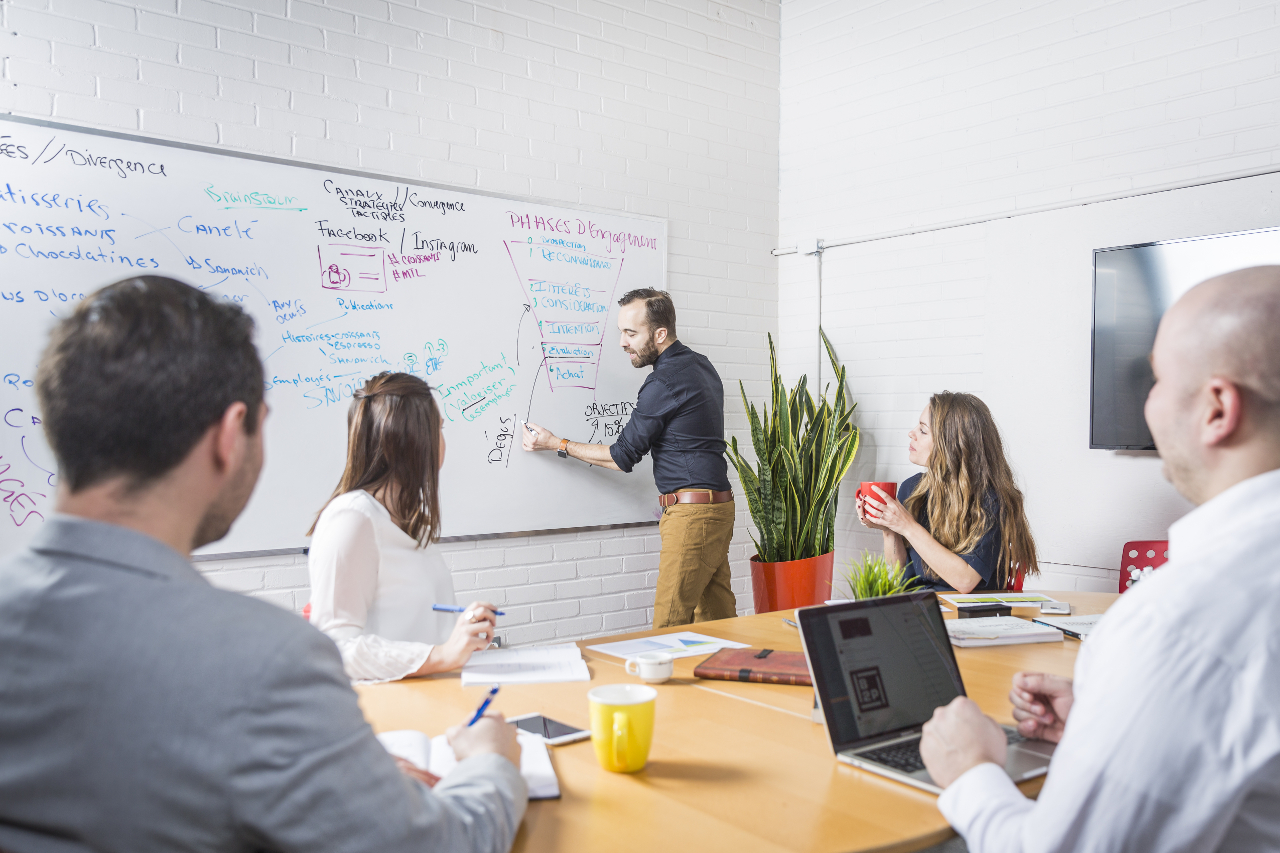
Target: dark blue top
[679, 418]
[983, 559]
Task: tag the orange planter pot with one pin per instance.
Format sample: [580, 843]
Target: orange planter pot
[795, 583]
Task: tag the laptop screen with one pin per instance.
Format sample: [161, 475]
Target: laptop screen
[879, 666]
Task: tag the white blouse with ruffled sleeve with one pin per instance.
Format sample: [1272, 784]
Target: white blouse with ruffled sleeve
[372, 589]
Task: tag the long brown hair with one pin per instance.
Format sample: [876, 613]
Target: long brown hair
[393, 446]
[966, 464]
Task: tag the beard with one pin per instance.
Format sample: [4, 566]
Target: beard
[646, 355]
[231, 500]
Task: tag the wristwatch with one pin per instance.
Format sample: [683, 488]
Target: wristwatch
[563, 452]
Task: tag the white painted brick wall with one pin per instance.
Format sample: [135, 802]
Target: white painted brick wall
[658, 107]
[904, 115]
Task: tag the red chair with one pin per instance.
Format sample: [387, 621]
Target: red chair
[1015, 581]
[1143, 554]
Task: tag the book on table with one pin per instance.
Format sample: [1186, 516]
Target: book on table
[747, 665]
[999, 631]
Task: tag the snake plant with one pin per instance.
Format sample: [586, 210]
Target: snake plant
[803, 448]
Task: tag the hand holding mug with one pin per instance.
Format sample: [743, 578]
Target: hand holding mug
[883, 511]
[860, 506]
[865, 499]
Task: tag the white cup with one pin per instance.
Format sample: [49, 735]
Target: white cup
[652, 667]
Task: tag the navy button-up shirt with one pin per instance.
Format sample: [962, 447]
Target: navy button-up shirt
[679, 418]
[983, 559]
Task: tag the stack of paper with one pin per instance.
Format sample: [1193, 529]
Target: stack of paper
[684, 644]
[436, 756]
[999, 631]
[532, 665]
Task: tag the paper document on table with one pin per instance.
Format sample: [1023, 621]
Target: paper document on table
[684, 644]
[532, 665]
[535, 764]
[436, 756]
[1014, 599]
[999, 631]
[1072, 626]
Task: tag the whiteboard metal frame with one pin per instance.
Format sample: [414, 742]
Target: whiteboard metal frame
[363, 173]
[339, 170]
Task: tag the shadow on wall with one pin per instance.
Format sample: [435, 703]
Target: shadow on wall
[851, 537]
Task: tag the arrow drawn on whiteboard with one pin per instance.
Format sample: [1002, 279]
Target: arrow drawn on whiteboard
[529, 411]
[330, 320]
[519, 326]
[273, 352]
[23, 441]
[211, 286]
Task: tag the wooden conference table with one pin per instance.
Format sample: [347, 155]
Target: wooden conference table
[734, 766]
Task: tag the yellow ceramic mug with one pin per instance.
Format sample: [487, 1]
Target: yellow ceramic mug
[622, 725]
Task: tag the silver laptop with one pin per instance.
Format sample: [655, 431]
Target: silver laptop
[880, 667]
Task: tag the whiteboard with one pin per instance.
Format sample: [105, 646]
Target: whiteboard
[507, 307]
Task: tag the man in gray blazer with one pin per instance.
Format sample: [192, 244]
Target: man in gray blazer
[140, 708]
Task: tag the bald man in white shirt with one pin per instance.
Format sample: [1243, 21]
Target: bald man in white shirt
[1169, 737]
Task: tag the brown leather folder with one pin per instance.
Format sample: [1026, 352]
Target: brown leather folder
[747, 665]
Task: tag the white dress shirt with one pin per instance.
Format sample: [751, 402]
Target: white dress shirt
[372, 589]
[1173, 741]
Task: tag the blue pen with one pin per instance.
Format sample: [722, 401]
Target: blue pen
[453, 608]
[484, 706]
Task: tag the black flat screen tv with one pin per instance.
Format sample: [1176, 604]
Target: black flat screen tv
[1132, 287]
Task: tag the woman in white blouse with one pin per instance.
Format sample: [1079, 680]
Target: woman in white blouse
[375, 570]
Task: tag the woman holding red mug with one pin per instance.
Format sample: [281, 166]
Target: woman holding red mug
[961, 524]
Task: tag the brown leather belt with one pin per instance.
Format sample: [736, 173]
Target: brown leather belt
[695, 496]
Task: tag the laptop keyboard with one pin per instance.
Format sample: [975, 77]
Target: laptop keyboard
[905, 757]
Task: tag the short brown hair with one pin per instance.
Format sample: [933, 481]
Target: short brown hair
[393, 438]
[135, 376]
[659, 312]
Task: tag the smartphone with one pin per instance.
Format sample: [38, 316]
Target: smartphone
[1055, 607]
[552, 731]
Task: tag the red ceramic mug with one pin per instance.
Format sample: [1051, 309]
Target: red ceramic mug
[865, 491]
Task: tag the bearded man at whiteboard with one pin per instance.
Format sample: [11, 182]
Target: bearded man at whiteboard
[679, 419]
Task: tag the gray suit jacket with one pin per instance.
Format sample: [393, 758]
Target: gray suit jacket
[141, 709]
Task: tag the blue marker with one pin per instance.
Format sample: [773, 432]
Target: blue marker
[484, 706]
[453, 608]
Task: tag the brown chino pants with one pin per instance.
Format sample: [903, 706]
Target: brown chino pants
[693, 571]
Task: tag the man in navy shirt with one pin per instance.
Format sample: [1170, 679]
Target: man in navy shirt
[679, 419]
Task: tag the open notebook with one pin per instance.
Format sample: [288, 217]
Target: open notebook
[436, 756]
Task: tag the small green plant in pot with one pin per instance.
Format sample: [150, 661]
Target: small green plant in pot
[874, 576]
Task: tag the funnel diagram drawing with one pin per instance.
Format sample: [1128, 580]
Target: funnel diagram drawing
[569, 293]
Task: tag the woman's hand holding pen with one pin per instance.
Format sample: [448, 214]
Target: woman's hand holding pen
[472, 632]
